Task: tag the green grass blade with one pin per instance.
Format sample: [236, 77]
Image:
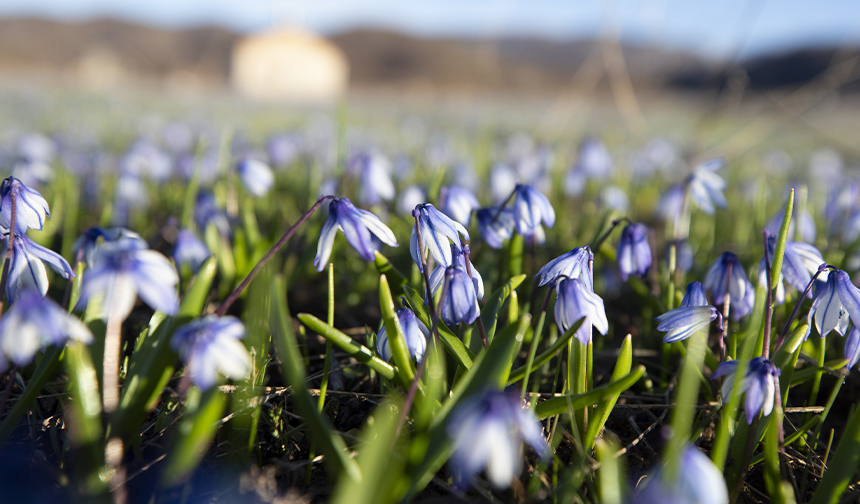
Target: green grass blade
[559, 405]
[396, 339]
[293, 369]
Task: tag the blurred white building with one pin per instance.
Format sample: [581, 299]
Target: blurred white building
[289, 65]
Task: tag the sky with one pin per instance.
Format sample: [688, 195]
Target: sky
[726, 29]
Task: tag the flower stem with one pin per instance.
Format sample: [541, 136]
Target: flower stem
[268, 257]
[599, 241]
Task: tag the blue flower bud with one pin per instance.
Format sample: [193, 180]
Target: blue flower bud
[634, 251]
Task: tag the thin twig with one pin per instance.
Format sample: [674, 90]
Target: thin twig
[268, 257]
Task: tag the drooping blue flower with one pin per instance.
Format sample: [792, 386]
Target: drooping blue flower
[143, 159]
[121, 272]
[531, 208]
[634, 251]
[706, 187]
[33, 323]
[694, 314]
[189, 250]
[86, 244]
[503, 181]
[488, 431]
[30, 207]
[807, 232]
[256, 176]
[683, 255]
[459, 301]
[800, 263]
[408, 198]
[437, 232]
[699, 481]
[834, 304]
[694, 295]
[852, 347]
[458, 203]
[284, 148]
[437, 278]
[573, 264]
[594, 159]
[414, 332]
[207, 211]
[740, 289]
[357, 226]
[574, 300]
[210, 345]
[758, 384]
[495, 229]
[27, 270]
[672, 203]
[374, 177]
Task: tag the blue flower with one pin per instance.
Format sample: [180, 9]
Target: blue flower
[414, 332]
[374, 177]
[357, 226]
[210, 345]
[694, 295]
[488, 431]
[459, 301]
[694, 314]
[143, 159]
[284, 148]
[838, 300]
[573, 264]
[758, 384]
[699, 482]
[740, 289]
[26, 268]
[30, 207]
[807, 225]
[852, 347]
[207, 211]
[436, 231]
[33, 323]
[531, 208]
[681, 323]
[672, 203]
[706, 187]
[458, 203]
[256, 176]
[121, 272]
[495, 230]
[800, 263]
[458, 260]
[574, 300]
[86, 244]
[593, 159]
[189, 250]
[409, 198]
[634, 251]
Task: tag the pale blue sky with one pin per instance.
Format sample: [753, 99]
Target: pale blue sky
[715, 29]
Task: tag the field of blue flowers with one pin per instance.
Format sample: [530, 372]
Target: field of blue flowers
[206, 308]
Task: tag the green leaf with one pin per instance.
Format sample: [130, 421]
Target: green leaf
[380, 468]
[452, 343]
[842, 466]
[360, 352]
[559, 405]
[490, 311]
[544, 357]
[622, 368]
[84, 412]
[47, 367]
[384, 267]
[396, 339]
[153, 362]
[611, 472]
[293, 369]
[197, 428]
